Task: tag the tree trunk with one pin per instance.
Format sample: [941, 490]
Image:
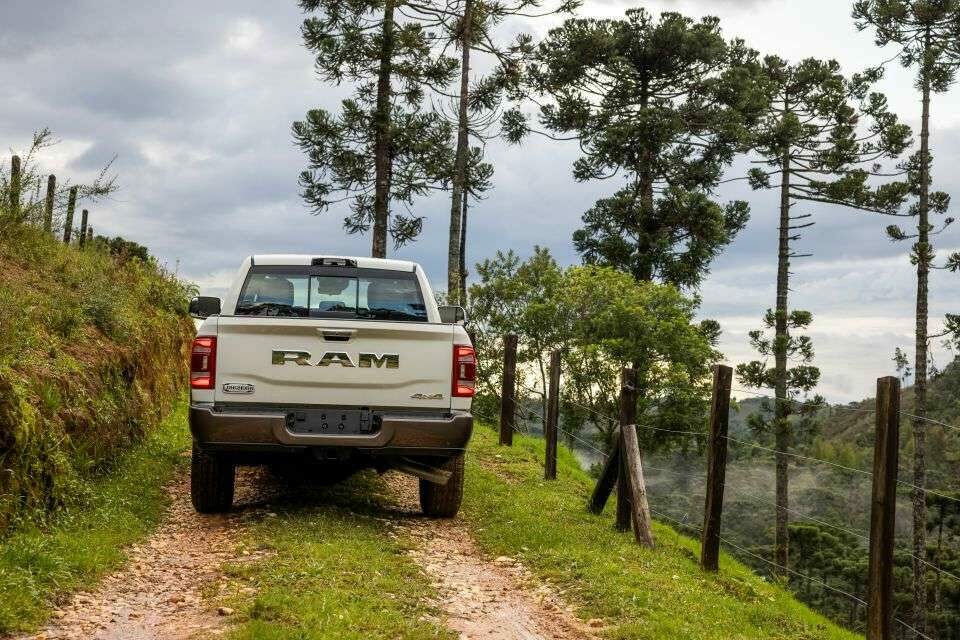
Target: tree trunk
[937, 600]
[782, 409]
[646, 189]
[460, 163]
[463, 249]
[381, 150]
[920, 369]
[543, 397]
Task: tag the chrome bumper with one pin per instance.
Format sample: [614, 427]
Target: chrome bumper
[232, 429]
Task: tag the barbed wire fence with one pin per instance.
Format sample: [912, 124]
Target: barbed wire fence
[623, 470]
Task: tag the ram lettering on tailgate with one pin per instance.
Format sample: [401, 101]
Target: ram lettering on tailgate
[364, 360]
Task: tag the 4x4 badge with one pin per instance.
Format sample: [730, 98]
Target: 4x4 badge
[427, 396]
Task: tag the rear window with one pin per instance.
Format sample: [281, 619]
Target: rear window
[332, 292]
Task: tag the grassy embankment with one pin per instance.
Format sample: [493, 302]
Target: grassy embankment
[84, 542]
[92, 359]
[638, 593]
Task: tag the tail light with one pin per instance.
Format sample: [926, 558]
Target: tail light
[203, 363]
[464, 371]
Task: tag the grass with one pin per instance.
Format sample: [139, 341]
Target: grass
[83, 543]
[333, 569]
[639, 593]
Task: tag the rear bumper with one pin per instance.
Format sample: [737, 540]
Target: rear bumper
[399, 434]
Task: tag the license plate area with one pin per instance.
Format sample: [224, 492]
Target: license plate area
[330, 421]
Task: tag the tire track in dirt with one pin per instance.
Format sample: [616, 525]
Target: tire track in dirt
[158, 593]
[482, 599]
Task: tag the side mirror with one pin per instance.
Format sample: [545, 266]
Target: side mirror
[203, 307]
[453, 315]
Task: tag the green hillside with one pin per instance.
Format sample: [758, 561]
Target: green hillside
[638, 593]
[845, 426]
[91, 358]
[631, 593]
[830, 505]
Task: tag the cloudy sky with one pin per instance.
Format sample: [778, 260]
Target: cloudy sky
[196, 99]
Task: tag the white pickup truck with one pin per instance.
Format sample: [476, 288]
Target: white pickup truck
[324, 365]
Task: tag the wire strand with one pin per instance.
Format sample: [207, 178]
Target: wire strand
[674, 520]
[930, 420]
[797, 455]
[584, 407]
[805, 516]
[919, 634]
[793, 572]
[584, 442]
[904, 483]
[581, 440]
[674, 431]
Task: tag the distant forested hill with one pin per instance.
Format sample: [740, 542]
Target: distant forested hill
[842, 427]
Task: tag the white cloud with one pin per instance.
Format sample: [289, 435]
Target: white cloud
[244, 34]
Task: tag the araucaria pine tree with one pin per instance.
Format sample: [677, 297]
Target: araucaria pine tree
[927, 33]
[383, 147]
[822, 139]
[472, 27]
[663, 104]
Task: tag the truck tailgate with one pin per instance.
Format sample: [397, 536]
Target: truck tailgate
[319, 361]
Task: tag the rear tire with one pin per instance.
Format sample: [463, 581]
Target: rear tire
[211, 482]
[443, 500]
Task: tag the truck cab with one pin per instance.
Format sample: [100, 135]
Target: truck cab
[325, 365]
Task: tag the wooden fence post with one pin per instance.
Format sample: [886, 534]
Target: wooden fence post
[84, 215]
[48, 205]
[553, 416]
[628, 415]
[90, 234]
[508, 392]
[608, 477]
[15, 186]
[639, 508]
[68, 224]
[716, 467]
[883, 511]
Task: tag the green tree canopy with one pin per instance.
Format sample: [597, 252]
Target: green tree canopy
[383, 147]
[665, 104]
[604, 320]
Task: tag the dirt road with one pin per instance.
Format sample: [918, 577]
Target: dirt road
[483, 598]
[163, 591]
[157, 595]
